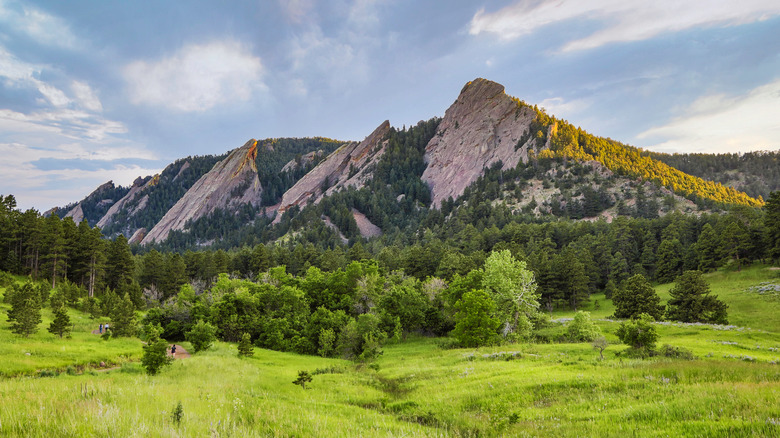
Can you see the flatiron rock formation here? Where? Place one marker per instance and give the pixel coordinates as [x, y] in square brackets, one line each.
[483, 126]
[349, 165]
[230, 183]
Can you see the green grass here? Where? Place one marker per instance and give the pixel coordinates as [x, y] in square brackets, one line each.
[46, 351]
[418, 388]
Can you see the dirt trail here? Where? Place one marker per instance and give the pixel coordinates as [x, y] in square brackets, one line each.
[181, 353]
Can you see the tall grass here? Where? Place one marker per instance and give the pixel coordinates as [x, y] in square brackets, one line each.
[418, 388]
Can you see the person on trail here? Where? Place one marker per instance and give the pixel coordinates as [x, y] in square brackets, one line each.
[173, 350]
[101, 328]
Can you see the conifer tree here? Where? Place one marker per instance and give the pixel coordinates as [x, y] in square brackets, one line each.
[736, 242]
[636, 296]
[25, 312]
[772, 223]
[708, 249]
[123, 318]
[119, 264]
[691, 301]
[61, 323]
[245, 347]
[669, 264]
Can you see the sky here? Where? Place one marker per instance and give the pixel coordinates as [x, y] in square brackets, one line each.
[92, 91]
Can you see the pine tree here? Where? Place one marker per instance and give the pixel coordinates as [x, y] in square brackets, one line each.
[119, 264]
[736, 242]
[669, 264]
[53, 248]
[25, 310]
[772, 223]
[245, 347]
[708, 248]
[691, 301]
[636, 296]
[61, 323]
[123, 318]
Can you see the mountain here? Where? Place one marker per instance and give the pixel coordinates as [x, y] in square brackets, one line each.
[230, 182]
[348, 166]
[490, 150]
[755, 173]
[483, 126]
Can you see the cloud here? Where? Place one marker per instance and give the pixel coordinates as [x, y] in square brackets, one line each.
[34, 185]
[720, 124]
[561, 108]
[37, 25]
[622, 20]
[297, 11]
[86, 96]
[335, 58]
[196, 78]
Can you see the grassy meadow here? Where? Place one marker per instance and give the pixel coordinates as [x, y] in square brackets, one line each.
[416, 388]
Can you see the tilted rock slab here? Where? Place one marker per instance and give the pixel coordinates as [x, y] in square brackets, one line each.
[138, 186]
[483, 126]
[334, 171]
[214, 190]
[76, 213]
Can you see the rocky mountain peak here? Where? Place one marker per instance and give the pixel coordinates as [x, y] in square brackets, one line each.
[347, 166]
[483, 126]
[231, 182]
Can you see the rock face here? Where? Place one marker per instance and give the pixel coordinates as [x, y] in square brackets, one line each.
[483, 126]
[349, 165]
[76, 213]
[304, 161]
[231, 182]
[138, 186]
[366, 227]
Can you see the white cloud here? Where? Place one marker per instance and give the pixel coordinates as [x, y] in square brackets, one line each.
[197, 77]
[37, 25]
[559, 107]
[719, 124]
[623, 20]
[86, 96]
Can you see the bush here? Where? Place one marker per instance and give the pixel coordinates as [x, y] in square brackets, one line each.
[476, 325]
[202, 336]
[638, 333]
[676, 352]
[155, 355]
[582, 329]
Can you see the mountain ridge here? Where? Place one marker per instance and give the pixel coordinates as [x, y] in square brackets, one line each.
[483, 128]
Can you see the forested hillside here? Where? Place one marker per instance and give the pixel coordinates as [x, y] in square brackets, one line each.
[573, 143]
[755, 173]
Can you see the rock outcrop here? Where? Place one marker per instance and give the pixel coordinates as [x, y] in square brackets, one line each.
[349, 165]
[76, 213]
[230, 183]
[366, 227]
[138, 186]
[483, 126]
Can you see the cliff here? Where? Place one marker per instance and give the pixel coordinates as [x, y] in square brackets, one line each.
[483, 126]
[230, 183]
[350, 165]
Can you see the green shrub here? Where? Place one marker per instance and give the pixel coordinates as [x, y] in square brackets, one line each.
[638, 333]
[676, 352]
[582, 329]
[202, 336]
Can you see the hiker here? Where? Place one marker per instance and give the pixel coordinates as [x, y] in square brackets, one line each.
[106, 327]
[173, 350]
[101, 328]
